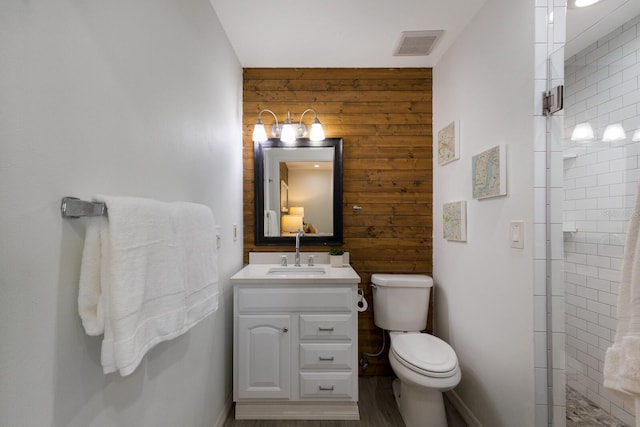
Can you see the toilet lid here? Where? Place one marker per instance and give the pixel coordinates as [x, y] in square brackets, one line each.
[425, 352]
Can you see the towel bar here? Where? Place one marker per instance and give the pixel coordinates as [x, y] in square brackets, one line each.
[73, 207]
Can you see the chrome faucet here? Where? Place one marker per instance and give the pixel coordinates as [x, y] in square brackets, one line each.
[297, 257]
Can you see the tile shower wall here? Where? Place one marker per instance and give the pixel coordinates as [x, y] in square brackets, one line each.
[600, 187]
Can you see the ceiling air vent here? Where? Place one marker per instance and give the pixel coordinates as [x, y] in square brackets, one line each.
[417, 43]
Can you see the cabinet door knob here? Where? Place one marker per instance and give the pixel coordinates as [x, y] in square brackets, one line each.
[285, 330]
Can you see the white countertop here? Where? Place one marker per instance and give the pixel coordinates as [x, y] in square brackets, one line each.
[259, 274]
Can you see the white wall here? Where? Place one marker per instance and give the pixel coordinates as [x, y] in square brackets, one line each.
[125, 98]
[484, 288]
[601, 185]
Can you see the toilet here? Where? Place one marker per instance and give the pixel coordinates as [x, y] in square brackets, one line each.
[425, 365]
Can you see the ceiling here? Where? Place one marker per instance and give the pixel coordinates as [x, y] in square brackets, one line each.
[365, 33]
[338, 33]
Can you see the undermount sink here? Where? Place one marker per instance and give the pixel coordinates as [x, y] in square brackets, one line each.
[296, 271]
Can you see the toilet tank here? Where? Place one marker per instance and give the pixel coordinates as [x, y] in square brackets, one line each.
[401, 301]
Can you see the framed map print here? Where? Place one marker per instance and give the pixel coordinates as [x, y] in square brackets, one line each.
[449, 143]
[454, 221]
[489, 173]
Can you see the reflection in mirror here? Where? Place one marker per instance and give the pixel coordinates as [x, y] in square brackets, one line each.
[298, 187]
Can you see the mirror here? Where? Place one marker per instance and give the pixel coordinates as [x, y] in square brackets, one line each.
[298, 186]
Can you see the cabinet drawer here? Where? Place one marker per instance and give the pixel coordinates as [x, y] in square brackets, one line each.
[326, 385]
[271, 299]
[326, 327]
[325, 356]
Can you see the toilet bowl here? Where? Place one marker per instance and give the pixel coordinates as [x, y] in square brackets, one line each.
[425, 365]
[422, 377]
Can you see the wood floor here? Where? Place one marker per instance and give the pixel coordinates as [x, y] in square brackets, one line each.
[377, 409]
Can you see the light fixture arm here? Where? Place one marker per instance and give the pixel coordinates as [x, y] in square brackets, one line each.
[315, 115]
[259, 121]
[317, 133]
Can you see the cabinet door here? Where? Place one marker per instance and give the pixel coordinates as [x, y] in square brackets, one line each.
[264, 353]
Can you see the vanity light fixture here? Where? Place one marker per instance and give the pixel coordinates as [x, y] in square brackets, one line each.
[288, 132]
[583, 132]
[614, 133]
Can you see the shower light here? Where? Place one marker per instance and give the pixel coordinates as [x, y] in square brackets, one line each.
[585, 3]
[614, 133]
[582, 132]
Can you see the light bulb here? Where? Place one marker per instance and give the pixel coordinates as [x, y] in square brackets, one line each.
[316, 133]
[259, 132]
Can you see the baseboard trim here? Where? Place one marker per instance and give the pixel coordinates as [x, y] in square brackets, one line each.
[297, 411]
[463, 409]
[224, 413]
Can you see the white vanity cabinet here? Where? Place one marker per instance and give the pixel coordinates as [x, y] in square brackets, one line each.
[295, 348]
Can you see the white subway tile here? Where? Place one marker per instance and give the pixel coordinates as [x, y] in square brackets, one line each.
[614, 54]
[599, 261]
[588, 361]
[622, 415]
[587, 248]
[609, 274]
[598, 285]
[609, 82]
[611, 250]
[599, 331]
[577, 301]
[587, 293]
[599, 308]
[608, 322]
[540, 386]
[540, 349]
[585, 315]
[539, 313]
[587, 270]
[578, 193]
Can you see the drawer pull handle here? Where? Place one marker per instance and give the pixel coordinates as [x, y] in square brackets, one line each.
[326, 359]
[325, 388]
[321, 329]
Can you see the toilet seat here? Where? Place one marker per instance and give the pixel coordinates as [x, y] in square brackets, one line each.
[425, 354]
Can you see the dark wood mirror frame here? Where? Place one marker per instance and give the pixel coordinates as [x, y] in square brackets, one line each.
[260, 238]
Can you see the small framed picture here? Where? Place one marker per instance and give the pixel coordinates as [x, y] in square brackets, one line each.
[454, 221]
[489, 173]
[449, 143]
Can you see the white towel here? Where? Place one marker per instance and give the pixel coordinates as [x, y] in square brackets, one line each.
[622, 360]
[271, 223]
[148, 274]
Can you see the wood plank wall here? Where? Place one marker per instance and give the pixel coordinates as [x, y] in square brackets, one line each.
[384, 117]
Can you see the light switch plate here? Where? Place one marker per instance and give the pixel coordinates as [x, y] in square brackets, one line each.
[516, 234]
